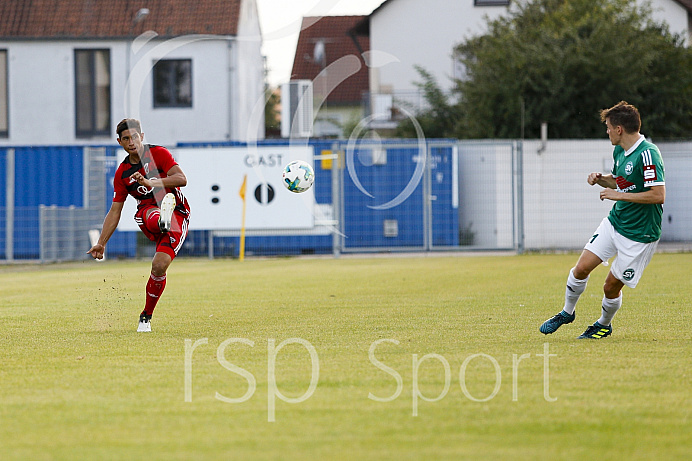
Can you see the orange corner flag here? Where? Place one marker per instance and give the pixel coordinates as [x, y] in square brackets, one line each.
[243, 187]
[241, 255]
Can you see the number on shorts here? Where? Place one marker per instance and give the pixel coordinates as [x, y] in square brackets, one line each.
[593, 238]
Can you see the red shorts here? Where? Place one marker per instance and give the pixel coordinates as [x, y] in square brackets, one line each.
[171, 241]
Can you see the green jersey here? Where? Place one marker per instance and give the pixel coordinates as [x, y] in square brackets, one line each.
[636, 171]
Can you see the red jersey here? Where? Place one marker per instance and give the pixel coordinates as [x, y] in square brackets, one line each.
[155, 162]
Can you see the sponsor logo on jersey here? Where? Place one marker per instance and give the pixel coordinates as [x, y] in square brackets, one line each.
[650, 173]
[624, 185]
[144, 190]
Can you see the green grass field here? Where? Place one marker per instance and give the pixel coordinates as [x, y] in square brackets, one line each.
[78, 382]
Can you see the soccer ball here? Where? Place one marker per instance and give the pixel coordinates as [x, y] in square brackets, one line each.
[298, 176]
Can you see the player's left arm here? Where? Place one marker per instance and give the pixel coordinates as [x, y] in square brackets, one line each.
[655, 195]
[174, 178]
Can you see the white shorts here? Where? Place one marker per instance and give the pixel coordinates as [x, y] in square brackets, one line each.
[632, 257]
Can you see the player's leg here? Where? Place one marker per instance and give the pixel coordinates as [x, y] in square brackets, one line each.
[578, 278]
[576, 284]
[167, 248]
[627, 269]
[148, 219]
[157, 220]
[154, 289]
[151, 220]
[157, 280]
[612, 299]
[597, 250]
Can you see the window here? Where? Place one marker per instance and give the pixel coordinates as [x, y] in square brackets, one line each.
[491, 2]
[4, 106]
[173, 83]
[92, 92]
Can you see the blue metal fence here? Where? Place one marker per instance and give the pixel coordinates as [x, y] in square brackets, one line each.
[54, 175]
[3, 198]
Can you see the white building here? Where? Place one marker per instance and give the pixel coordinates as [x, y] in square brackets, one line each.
[71, 70]
[406, 33]
[333, 61]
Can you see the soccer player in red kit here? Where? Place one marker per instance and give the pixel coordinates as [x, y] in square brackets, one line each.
[150, 175]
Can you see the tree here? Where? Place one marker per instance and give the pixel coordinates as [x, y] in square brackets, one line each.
[561, 61]
[272, 124]
[439, 119]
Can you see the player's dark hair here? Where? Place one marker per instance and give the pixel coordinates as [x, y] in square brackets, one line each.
[624, 115]
[128, 124]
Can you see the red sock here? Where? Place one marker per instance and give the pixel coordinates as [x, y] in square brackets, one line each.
[155, 287]
[152, 222]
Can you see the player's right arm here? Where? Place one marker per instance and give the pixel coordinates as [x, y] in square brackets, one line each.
[110, 223]
[603, 180]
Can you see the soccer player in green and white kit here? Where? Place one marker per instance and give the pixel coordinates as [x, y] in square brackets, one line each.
[632, 228]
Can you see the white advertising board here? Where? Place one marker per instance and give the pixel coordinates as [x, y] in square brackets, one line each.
[215, 176]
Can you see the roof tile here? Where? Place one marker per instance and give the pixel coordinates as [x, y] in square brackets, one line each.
[333, 32]
[115, 18]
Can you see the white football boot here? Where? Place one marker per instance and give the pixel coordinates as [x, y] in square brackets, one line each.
[167, 207]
